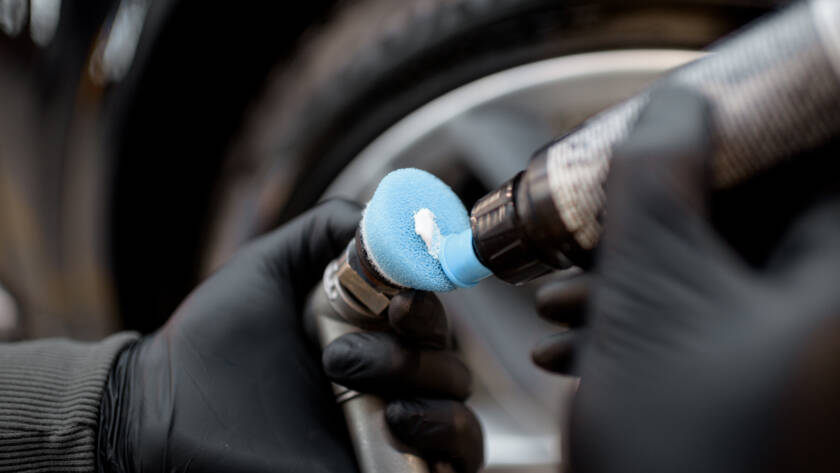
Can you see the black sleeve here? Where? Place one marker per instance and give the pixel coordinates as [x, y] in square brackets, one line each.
[50, 391]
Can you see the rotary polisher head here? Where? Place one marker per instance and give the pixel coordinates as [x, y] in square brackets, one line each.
[406, 228]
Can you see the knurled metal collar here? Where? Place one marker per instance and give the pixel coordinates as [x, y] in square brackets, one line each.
[354, 299]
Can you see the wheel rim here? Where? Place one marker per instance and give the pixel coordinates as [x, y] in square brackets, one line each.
[488, 129]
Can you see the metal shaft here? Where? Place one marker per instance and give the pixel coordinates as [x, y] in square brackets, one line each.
[775, 92]
[329, 311]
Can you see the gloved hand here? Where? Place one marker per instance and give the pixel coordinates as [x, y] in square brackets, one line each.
[231, 383]
[693, 359]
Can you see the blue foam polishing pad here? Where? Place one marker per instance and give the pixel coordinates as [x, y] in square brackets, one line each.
[390, 238]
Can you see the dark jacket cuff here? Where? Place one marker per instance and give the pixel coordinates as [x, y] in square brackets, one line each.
[50, 391]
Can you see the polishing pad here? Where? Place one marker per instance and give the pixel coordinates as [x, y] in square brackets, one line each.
[389, 233]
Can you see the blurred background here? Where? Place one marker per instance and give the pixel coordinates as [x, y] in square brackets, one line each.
[143, 141]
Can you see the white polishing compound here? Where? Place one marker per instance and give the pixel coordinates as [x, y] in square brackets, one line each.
[427, 228]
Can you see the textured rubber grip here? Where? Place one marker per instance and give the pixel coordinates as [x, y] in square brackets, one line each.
[776, 92]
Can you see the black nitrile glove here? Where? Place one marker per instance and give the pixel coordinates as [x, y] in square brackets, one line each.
[695, 360]
[231, 383]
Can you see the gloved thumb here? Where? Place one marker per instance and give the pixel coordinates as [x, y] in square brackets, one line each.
[298, 252]
[658, 184]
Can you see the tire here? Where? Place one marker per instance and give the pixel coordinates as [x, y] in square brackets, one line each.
[374, 61]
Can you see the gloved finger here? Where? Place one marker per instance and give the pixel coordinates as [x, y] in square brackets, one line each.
[299, 251]
[564, 301]
[557, 352]
[440, 429]
[378, 363]
[419, 317]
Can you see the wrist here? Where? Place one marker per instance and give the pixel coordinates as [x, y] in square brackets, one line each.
[113, 444]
